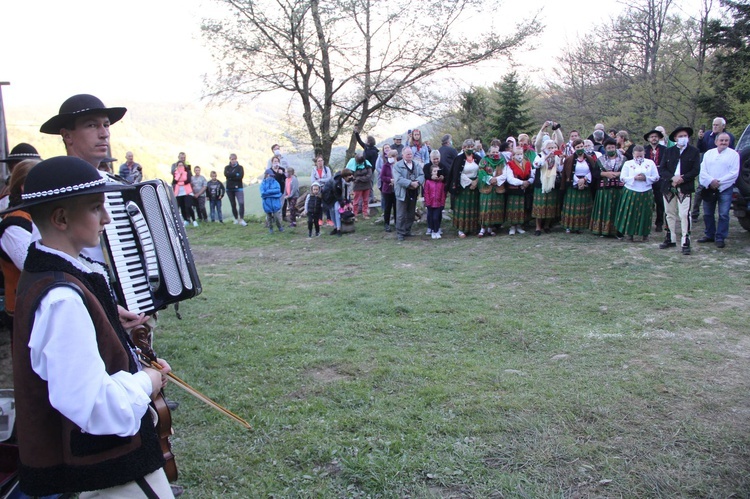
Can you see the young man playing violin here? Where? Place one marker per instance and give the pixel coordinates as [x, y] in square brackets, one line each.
[82, 399]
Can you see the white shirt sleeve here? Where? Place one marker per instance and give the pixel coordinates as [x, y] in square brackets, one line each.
[64, 353]
[15, 242]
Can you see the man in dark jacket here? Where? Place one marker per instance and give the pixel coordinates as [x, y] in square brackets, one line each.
[655, 152]
[678, 169]
[447, 154]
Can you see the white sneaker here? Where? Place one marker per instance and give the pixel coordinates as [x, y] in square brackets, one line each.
[235, 221]
[520, 230]
[512, 230]
[243, 223]
[438, 236]
[184, 223]
[195, 223]
[429, 231]
[434, 235]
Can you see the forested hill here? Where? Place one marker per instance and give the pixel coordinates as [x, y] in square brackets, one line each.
[156, 133]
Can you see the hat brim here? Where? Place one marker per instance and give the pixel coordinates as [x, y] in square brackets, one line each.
[19, 157]
[680, 129]
[108, 187]
[57, 123]
[648, 134]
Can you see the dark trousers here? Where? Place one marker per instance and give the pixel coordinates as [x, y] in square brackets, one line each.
[697, 202]
[215, 210]
[186, 207]
[659, 202]
[200, 208]
[313, 222]
[237, 197]
[434, 218]
[389, 204]
[292, 203]
[405, 215]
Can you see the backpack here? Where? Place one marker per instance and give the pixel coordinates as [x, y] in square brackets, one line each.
[328, 192]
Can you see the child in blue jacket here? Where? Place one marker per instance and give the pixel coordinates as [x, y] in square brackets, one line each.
[270, 193]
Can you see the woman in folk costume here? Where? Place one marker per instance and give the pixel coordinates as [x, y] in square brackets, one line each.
[528, 151]
[519, 177]
[608, 192]
[546, 206]
[635, 208]
[580, 177]
[464, 181]
[491, 190]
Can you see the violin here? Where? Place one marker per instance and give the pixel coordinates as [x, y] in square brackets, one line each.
[141, 336]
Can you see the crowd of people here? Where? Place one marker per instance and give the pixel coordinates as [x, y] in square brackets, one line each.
[605, 184]
[75, 367]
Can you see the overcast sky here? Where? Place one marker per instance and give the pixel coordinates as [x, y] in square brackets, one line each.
[150, 50]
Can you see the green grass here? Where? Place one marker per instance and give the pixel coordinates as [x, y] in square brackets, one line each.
[553, 366]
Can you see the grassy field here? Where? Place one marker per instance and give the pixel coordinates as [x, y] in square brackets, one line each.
[553, 366]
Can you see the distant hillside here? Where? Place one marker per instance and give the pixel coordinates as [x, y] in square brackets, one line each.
[157, 132]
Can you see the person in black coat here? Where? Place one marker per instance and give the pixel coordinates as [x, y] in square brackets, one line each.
[655, 152]
[678, 169]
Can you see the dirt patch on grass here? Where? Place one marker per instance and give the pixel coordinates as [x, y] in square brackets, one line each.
[327, 375]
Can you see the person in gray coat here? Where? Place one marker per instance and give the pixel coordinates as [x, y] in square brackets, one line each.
[407, 179]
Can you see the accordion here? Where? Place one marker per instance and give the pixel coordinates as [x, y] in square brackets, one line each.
[148, 251]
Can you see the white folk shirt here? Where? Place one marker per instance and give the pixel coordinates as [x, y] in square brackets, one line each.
[64, 353]
[629, 171]
[724, 167]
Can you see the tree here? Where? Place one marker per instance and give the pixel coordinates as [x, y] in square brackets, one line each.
[731, 89]
[510, 115]
[347, 62]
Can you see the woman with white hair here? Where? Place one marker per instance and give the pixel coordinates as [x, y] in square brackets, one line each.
[464, 181]
[546, 206]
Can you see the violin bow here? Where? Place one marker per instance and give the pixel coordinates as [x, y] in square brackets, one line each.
[140, 336]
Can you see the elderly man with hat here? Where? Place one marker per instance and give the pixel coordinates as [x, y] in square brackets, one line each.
[398, 146]
[655, 152]
[678, 169]
[20, 152]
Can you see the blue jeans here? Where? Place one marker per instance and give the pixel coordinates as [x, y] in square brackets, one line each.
[724, 201]
[215, 210]
[337, 215]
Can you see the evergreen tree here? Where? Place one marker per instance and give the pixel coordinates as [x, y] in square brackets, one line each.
[509, 114]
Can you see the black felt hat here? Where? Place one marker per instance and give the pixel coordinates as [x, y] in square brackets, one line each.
[657, 132]
[77, 106]
[21, 152]
[680, 129]
[63, 177]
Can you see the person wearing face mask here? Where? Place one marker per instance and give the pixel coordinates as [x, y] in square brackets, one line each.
[386, 188]
[520, 178]
[546, 206]
[678, 169]
[525, 142]
[579, 182]
[591, 150]
[635, 209]
[463, 184]
[491, 190]
[655, 151]
[608, 191]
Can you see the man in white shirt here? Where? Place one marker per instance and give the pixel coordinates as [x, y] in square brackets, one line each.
[719, 170]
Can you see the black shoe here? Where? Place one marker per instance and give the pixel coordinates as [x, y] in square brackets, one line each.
[537, 232]
[171, 404]
[705, 239]
[388, 228]
[658, 228]
[400, 237]
[720, 244]
[334, 232]
[666, 245]
[686, 250]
